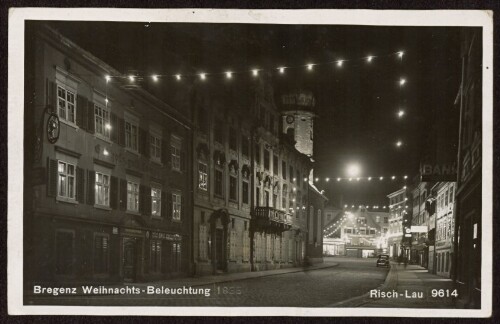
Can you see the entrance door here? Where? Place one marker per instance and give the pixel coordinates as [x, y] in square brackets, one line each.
[129, 259]
[219, 249]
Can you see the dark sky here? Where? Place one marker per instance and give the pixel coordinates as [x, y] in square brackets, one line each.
[356, 104]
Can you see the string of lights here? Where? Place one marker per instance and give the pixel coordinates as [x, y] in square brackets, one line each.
[229, 74]
[356, 179]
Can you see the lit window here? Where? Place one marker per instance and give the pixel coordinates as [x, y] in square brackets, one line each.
[202, 176]
[176, 206]
[101, 189]
[155, 201]
[66, 181]
[66, 104]
[132, 196]
[102, 125]
[131, 135]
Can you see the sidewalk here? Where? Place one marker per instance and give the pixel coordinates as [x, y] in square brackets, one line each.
[206, 280]
[412, 287]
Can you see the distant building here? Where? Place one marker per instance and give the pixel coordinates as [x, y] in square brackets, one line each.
[419, 253]
[398, 208]
[445, 227]
[364, 233]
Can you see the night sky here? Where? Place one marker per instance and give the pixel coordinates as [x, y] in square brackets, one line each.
[356, 104]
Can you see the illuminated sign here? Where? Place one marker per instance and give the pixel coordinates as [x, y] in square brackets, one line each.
[419, 229]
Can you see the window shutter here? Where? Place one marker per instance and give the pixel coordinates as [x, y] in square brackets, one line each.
[90, 117]
[143, 142]
[121, 131]
[52, 177]
[81, 111]
[147, 200]
[51, 96]
[113, 119]
[169, 212]
[123, 194]
[183, 158]
[113, 192]
[80, 185]
[142, 199]
[164, 204]
[90, 187]
[165, 152]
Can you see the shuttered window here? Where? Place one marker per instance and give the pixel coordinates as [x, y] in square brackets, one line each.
[155, 201]
[66, 180]
[66, 104]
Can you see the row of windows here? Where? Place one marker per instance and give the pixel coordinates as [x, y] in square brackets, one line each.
[446, 197]
[66, 110]
[66, 190]
[65, 254]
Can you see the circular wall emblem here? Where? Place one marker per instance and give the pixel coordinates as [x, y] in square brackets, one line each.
[290, 119]
[53, 128]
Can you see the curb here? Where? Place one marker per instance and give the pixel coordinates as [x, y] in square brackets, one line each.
[223, 280]
[390, 283]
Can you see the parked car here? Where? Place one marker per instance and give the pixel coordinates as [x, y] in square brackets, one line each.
[383, 261]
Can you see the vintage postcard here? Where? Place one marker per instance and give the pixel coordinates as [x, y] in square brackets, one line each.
[250, 162]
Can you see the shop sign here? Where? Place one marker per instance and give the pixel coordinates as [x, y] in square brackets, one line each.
[419, 229]
[165, 236]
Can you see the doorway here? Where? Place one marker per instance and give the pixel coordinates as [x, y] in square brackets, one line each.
[219, 250]
[129, 259]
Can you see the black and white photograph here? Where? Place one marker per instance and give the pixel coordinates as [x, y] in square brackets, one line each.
[244, 162]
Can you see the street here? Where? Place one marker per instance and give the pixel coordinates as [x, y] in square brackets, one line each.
[351, 277]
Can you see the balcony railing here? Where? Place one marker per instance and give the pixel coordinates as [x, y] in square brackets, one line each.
[272, 218]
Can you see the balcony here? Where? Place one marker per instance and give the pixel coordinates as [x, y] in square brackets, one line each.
[269, 218]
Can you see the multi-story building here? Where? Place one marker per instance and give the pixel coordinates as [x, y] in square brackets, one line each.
[445, 198]
[253, 198]
[107, 185]
[419, 253]
[398, 208]
[364, 233]
[468, 205]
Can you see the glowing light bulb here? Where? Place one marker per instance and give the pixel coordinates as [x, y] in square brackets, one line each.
[155, 78]
[108, 126]
[401, 113]
[203, 76]
[229, 74]
[399, 143]
[402, 81]
[105, 152]
[327, 179]
[282, 70]
[405, 177]
[400, 54]
[381, 178]
[393, 177]
[340, 62]
[309, 67]
[338, 179]
[255, 72]
[369, 178]
[178, 76]
[107, 77]
[369, 59]
[131, 78]
[317, 179]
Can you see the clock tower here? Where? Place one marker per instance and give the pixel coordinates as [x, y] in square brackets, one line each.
[297, 109]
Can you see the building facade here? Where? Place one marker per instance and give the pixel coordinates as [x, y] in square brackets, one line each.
[445, 200]
[468, 211]
[419, 253]
[107, 189]
[398, 208]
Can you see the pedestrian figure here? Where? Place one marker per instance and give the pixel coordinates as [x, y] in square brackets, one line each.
[406, 261]
[399, 259]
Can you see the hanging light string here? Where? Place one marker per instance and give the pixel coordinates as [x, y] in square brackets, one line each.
[357, 179]
[310, 66]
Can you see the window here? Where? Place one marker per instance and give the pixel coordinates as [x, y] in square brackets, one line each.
[132, 196]
[66, 180]
[386, 219]
[101, 254]
[155, 257]
[101, 189]
[452, 189]
[202, 176]
[245, 191]
[275, 200]
[64, 252]
[385, 230]
[176, 257]
[372, 231]
[257, 196]
[102, 125]
[233, 185]
[267, 198]
[218, 182]
[155, 147]
[267, 159]
[155, 201]
[233, 139]
[283, 169]
[66, 104]
[176, 145]
[131, 135]
[377, 219]
[245, 146]
[176, 206]
[202, 251]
